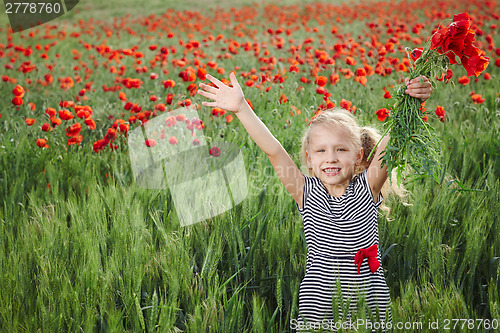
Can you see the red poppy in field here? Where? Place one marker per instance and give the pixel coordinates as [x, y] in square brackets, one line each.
[18, 91]
[321, 90]
[83, 111]
[150, 142]
[229, 118]
[73, 130]
[464, 80]
[283, 99]
[201, 73]
[173, 140]
[440, 112]
[46, 127]
[100, 145]
[218, 112]
[387, 94]
[382, 114]
[196, 142]
[90, 123]
[215, 151]
[350, 61]
[42, 143]
[56, 121]
[130, 83]
[192, 88]
[65, 115]
[449, 75]
[17, 101]
[321, 81]
[169, 99]
[345, 104]
[361, 79]
[110, 133]
[170, 121]
[122, 96]
[75, 140]
[168, 83]
[30, 121]
[478, 99]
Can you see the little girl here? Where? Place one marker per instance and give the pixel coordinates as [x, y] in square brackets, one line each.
[337, 202]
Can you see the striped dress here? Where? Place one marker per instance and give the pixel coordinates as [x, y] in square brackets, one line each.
[335, 229]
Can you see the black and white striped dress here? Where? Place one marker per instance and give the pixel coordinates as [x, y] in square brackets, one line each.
[335, 229]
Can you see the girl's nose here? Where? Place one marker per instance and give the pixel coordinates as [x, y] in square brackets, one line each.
[332, 157]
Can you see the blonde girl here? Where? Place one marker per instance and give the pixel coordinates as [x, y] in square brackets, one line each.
[338, 206]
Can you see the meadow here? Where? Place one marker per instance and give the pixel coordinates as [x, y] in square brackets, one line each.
[84, 248]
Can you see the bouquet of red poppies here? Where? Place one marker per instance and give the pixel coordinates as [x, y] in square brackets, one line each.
[412, 140]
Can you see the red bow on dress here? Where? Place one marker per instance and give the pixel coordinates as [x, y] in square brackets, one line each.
[369, 253]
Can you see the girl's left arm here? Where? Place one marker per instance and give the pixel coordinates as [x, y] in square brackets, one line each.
[419, 87]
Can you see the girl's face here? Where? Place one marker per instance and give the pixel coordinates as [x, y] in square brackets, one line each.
[332, 157]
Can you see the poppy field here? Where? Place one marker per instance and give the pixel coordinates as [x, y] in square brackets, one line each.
[84, 248]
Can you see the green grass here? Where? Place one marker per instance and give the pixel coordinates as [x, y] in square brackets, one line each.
[95, 252]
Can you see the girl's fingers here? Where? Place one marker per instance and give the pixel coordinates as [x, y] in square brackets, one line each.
[208, 88]
[215, 81]
[209, 104]
[206, 94]
[234, 82]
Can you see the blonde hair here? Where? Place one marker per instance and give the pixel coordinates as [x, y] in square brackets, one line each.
[360, 137]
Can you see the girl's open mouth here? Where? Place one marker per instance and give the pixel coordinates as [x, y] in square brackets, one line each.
[331, 171]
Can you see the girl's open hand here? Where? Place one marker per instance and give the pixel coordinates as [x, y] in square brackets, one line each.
[224, 97]
[416, 89]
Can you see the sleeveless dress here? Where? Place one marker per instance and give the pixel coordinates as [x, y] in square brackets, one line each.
[336, 228]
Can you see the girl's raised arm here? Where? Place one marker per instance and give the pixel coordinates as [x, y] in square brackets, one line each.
[232, 99]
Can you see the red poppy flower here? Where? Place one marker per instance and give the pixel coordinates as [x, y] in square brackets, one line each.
[382, 114]
[42, 143]
[201, 73]
[100, 145]
[30, 121]
[150, 142]
[46, 127]
[440, 112]
[173, 140]
[73, 130]
[18, 91]
[478, 99]
[215, 151]
[90, 123]
[65, 115]
[283, 99]
[17, 101]
[464, 80]
[75, 140]
[387, 94]
[449, 75]
[416, 53]
[321, 81]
